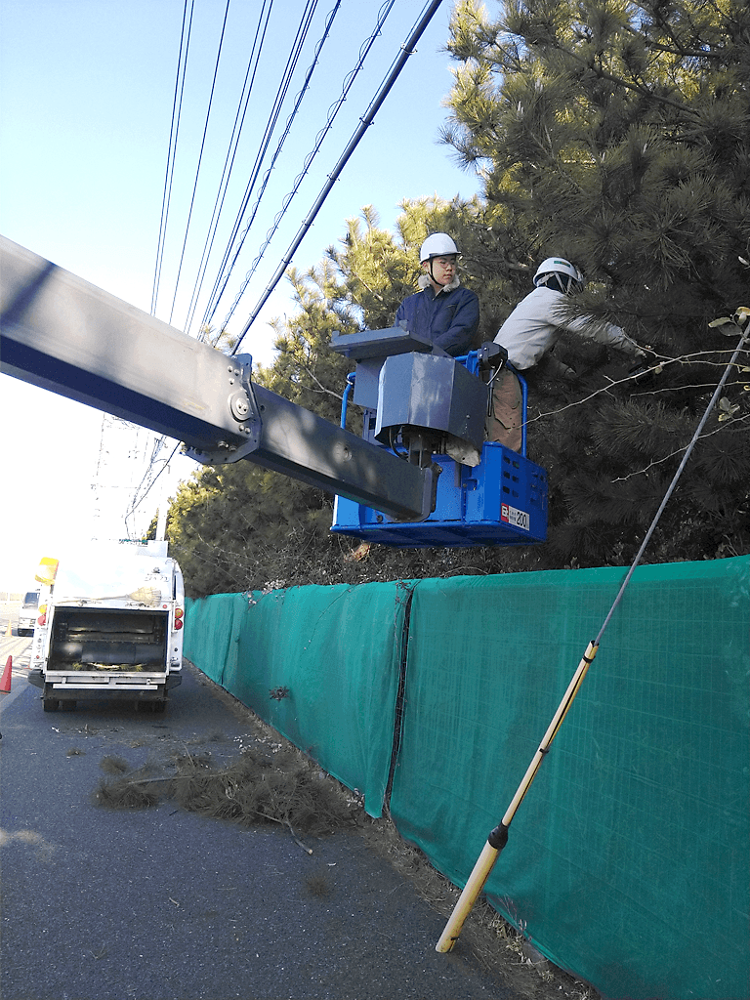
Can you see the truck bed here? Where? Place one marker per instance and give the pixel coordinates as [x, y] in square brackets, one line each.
[105, 652]
[114, 638]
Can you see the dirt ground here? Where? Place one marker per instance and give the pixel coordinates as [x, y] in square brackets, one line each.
[495, 944]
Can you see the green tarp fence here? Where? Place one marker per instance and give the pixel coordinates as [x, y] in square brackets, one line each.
[627, 862]
[330, 655]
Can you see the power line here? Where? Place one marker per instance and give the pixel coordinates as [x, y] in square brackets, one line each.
[331, 116]
[172, 150]
[277, 153]
[407, 49]
[200, 156]
[234, 139]
[135, 503]
[235, 241]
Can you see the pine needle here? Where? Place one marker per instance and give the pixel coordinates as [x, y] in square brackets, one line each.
[254, 789]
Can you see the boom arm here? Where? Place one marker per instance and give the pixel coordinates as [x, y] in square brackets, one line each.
[66, 335]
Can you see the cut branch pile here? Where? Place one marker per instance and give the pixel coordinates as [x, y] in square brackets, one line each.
[254, 789]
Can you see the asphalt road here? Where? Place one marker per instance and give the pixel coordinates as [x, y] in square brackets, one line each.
[161, 903]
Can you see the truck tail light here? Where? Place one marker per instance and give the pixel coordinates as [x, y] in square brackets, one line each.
[42, 620]
[178, 624]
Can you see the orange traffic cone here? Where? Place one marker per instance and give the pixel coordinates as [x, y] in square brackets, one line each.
[7, 674]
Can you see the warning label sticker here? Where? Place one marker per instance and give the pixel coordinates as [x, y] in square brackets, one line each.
[511, 515]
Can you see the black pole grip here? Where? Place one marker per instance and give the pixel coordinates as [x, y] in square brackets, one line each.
[499, 837]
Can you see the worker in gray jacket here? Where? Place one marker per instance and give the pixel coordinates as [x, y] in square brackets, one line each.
[530, 333]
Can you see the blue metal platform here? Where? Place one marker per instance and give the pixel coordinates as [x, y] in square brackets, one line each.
[501, 501]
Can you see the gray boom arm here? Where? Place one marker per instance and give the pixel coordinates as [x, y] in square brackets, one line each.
[66, 335]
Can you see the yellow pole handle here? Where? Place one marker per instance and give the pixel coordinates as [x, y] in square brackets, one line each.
[499, 836]
[468, 897]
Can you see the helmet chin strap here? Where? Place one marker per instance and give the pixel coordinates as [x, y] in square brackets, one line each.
[432, 275]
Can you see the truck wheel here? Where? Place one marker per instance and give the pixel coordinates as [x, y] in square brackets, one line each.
[159, 706]
[50, 703]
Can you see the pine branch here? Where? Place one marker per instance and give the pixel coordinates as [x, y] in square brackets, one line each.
[679, 451]
[330, 392]
[642, 91]
[705, 357]
[679, 52]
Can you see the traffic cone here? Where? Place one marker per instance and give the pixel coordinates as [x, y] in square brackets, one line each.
[7, 674]
[8, 631]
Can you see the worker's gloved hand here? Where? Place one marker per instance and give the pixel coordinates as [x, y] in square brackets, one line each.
[640, 372]
[642, 368]
[552, 367]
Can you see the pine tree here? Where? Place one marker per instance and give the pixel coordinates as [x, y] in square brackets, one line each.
[618, 135]
[305, 370]
[239, 527]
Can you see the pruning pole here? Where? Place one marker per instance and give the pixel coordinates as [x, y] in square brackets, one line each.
[498, 838]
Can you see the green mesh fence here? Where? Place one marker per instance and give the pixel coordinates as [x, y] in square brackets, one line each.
[628, 860]
[319, 664]
[210, 639]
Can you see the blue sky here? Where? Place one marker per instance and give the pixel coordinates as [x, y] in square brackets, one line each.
[87, 89]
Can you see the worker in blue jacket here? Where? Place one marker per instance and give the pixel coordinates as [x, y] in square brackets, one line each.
[443, 311]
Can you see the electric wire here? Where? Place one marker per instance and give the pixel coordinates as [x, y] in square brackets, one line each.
[156, 446]
[172, 149]
[229, 160]
[137, 502]
[138, 499]
[234, 243]
[200, 157]
[407, 49]
[179, 88]
[177, 105]
[330, 118]
[210, 310]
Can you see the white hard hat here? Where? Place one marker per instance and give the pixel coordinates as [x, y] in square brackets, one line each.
[437, 245]
[561, 267]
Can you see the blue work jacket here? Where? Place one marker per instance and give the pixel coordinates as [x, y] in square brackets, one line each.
[449, 319]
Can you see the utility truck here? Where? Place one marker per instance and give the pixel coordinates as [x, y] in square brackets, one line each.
[109, 625]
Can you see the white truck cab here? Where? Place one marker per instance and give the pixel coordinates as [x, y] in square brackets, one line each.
[27, 614]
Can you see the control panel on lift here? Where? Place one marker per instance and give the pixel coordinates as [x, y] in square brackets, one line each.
[429, 409]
